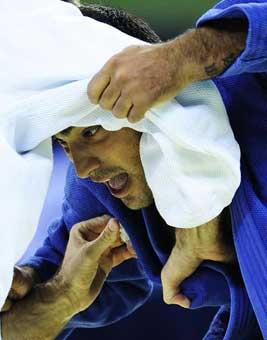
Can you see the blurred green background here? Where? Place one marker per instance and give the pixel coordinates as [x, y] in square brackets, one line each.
[168, 18]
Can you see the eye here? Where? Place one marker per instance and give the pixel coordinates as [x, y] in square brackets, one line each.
[63, 144]
[90, 131]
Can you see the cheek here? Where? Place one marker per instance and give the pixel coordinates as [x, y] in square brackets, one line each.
[121, 148]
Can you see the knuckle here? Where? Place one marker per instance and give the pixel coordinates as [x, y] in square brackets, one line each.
[105, 217]
[166, 301]
[121, 75]
[135, 116]
[121, 109]
[131, 48]
[142, 101]
[119, 112]
[74, 229]
[90, 89]
[105, 104]
[113, 62]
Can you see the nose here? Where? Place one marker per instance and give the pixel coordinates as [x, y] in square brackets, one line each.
[84, 164]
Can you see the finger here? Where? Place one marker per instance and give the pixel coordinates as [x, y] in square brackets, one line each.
[131, 248]
[118, 243]
[181, 300]
[109, 97]
[98, 283]
[8, 304]
[122, 107]
[178, 267]
[121, 254]
[21, 284]
[97, 86]
[105, 241]
[136, 114]
[91, 236]
[95, 225]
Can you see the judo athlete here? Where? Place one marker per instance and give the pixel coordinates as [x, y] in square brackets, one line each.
[175, 173]
[129, 172]
[229, 44]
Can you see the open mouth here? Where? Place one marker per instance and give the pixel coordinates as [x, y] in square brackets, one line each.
[118, 185]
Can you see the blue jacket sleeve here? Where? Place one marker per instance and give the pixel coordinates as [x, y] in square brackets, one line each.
[254, 57]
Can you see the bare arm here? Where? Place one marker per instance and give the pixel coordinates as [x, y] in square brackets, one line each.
[210, 50]
[40, 315]
[211, 241]
[88, 260]
[142, 76]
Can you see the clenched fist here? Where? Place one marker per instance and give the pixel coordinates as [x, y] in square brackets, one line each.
[136, 79]
[211, 241]
[139, 77]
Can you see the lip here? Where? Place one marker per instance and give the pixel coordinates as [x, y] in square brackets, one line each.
[119, 193]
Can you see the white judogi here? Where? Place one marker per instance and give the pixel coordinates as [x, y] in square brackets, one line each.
[49, 52]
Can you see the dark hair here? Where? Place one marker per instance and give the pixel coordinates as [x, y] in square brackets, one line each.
[120, 19]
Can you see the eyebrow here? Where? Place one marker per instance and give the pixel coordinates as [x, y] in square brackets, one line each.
[66, 132]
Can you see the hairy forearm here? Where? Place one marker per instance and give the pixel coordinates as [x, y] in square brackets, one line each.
[212, 240]
[209, 51]
[40, 315]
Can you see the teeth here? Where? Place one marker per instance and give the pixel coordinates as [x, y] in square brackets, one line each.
[118, 182]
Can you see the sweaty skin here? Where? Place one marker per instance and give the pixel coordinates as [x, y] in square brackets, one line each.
[139, 77]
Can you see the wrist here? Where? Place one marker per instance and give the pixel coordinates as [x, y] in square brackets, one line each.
[179, 61]
[187, 53]
[58, 291]
[187, 242]
[208, 51]
[40, 315]
[75, 295]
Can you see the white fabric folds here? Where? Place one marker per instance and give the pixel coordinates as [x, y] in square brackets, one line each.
[49, 52]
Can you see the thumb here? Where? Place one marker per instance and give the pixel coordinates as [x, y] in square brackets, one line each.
[178, 267]
[105, 240]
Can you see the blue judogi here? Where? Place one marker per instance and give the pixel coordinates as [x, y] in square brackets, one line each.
[243, 88]
[128, 286]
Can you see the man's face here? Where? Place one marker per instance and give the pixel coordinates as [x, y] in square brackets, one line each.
[109, 157]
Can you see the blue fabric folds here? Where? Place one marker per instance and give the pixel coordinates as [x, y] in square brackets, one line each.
[129, 285]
